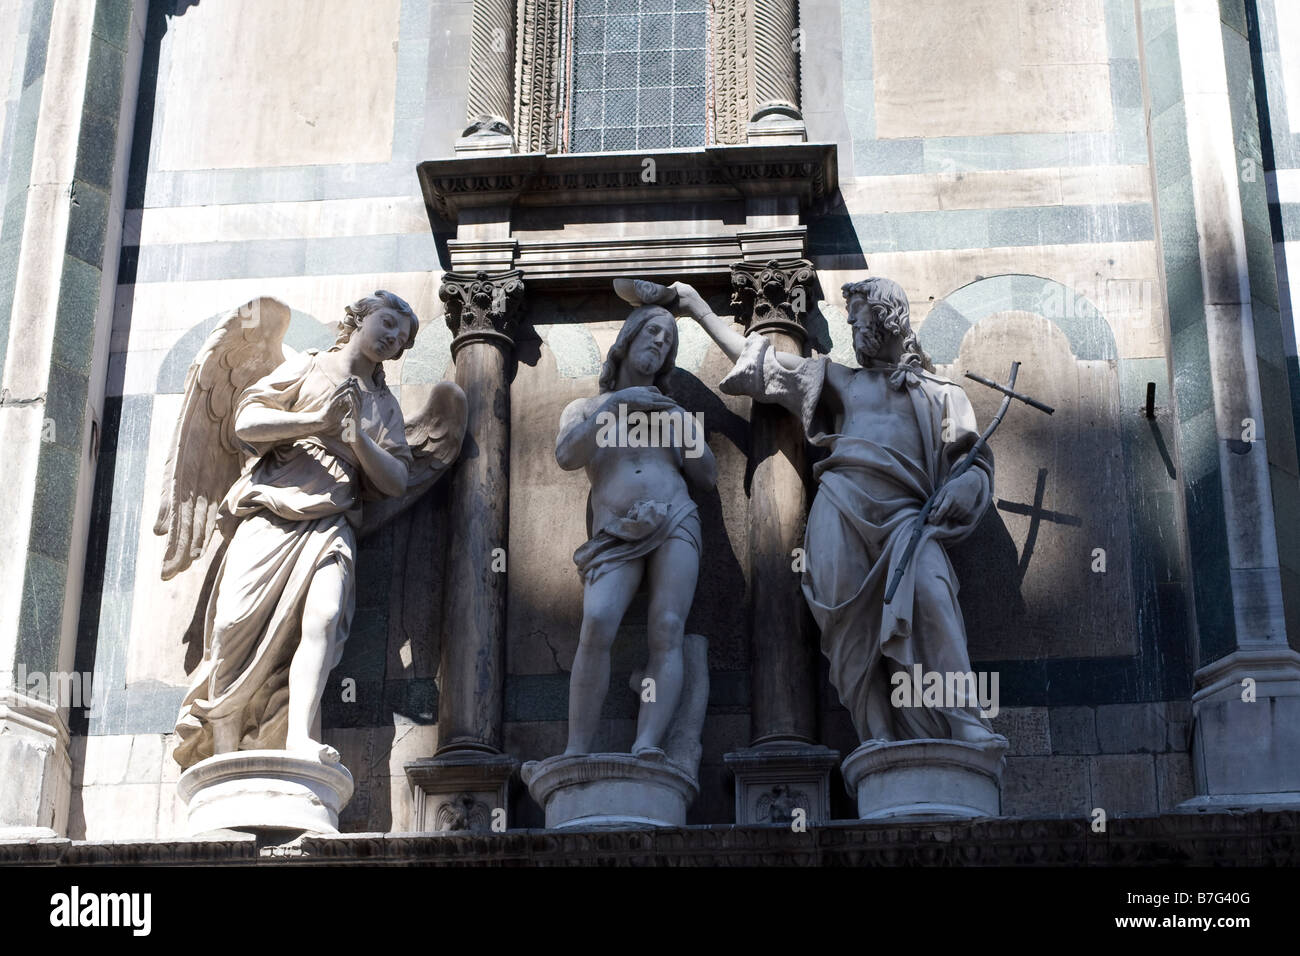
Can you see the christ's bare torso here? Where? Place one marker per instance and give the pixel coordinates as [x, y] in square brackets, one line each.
[622, 475]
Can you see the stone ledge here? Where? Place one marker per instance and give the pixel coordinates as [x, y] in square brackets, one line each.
[1257, 838]
[807, 171]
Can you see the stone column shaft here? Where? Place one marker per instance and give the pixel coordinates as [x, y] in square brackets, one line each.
[781, 665]
[480, 312]
[781, 662]
[465, 785]
[783, 769]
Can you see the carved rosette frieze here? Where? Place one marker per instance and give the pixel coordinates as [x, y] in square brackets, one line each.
[537, 71]
[482, 307]
[731, 60]
[490, 96]
[773, 296]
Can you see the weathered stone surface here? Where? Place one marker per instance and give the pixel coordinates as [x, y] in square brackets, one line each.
[1173, 780]
[1132, 728]
[1123, 784]
[1045, 786]
[1250, 838]
[297, 107]
[1074, 730]
[1006, 68]
[1026, 730]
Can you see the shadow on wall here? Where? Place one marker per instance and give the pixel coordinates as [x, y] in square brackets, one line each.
[1061, 483]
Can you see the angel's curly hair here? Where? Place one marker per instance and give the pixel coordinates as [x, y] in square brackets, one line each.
[358, 310]
[636, 321]
[889, 314]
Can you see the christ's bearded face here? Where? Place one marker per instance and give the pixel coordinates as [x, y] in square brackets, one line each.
[652, 344]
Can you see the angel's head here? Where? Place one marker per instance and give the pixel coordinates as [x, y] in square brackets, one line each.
[648, 340]
[881, 322]
[383, 325]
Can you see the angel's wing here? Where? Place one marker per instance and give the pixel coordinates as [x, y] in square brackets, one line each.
[435, 435]
[436, 432]
[205, 458]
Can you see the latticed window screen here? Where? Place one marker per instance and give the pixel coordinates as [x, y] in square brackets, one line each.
[638, 74]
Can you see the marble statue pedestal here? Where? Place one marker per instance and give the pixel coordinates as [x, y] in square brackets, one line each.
[926, 779]
[610, 791]
[264, 790]
[774, 779]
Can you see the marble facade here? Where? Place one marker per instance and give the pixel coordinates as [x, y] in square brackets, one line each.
[1117, 208]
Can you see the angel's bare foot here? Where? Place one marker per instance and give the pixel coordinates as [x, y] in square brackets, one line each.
[652, 754]
[307, 747]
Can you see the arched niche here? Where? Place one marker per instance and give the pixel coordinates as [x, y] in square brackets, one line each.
[1030, 584]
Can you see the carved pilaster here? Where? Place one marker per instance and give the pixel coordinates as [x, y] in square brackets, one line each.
[537, 70]
[490, 97]
[731, 60]
[482, 307]
[774, 296]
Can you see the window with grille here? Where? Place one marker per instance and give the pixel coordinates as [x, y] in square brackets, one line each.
[637, 74]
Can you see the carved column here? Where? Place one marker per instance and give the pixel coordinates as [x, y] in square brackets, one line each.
[783, 767]
[774, 72]
[466, 781]
[490, 100]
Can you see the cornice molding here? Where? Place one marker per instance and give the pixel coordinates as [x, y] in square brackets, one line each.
[805, 171]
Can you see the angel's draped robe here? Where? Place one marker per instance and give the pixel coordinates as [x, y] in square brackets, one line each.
[294, 509]
[869, 491]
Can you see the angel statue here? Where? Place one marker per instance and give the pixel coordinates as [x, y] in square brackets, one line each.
[285, 459]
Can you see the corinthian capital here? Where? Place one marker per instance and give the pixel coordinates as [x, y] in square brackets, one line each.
[775, 296]
[482, 307]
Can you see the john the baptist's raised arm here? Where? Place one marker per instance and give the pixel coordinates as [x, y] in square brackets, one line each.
[729, 340]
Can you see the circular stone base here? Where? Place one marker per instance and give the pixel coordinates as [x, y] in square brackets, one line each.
[264, 790]
[926, 779]
[609, 791]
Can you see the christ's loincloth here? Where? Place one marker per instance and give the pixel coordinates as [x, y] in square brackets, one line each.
[647, 525]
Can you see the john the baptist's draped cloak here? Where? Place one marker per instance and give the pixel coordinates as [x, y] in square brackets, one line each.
[868, 494]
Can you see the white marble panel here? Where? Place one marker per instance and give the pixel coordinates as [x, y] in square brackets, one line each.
[290, 83]
[1001, 66]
